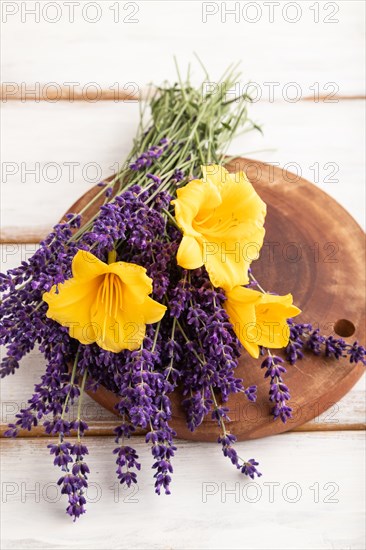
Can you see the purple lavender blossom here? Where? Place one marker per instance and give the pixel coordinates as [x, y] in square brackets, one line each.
[178, 176]
[304, 338]
[126, 459]
[146, 159]
[246, 467]
[357, 353]
[278, 393]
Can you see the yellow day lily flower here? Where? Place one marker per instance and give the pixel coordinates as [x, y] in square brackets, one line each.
[221, 217]
[260, 319]
[105, 303]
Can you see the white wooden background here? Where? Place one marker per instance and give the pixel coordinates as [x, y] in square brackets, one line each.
[317, 472]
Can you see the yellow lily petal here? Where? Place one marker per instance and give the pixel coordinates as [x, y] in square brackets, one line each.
[189, 255]
[117, 331]
[241, 295]
[240, 307]
[137, 284]
[152, 311]
[225, 265]
[224, 216]
[191, 199]
[70, 304]
[272, 314]
[241, 202]
[216, 175]
[260, 319]
[252, 348]
[105, 303]
[87, 266]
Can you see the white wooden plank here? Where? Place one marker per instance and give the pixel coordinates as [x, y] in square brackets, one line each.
[69, 148]
[324, 142]
[300, 42]
[211, 507]
[17, 389]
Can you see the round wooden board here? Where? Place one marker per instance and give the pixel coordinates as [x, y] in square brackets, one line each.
[315, 250]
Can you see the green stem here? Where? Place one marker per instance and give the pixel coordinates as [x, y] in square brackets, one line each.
[81, 400]
[171, 219]
[251, 276]
[72, 380]
[112, 256]
[188, 342]
[156, 337]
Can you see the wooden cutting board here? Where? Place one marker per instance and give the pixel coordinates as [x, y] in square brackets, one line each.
[315, 250]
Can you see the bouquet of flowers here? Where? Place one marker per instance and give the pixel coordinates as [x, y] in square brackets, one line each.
[154, 293]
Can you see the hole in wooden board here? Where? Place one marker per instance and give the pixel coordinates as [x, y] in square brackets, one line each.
[344, 328]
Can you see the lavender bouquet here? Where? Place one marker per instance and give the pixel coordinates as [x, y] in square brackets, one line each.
[146, 297]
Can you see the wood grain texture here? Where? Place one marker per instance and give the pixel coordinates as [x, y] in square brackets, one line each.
[313, 249]
[64, 141]
[326, 512]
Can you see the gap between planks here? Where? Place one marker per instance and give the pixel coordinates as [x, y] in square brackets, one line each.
[18, 235]
[106, 428]
[59, 93]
